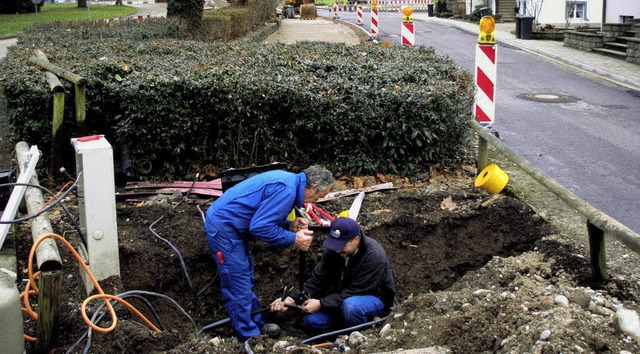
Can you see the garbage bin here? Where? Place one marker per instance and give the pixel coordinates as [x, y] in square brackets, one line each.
[526, 27]
[430, 10]
[484, 11]
[518, 27]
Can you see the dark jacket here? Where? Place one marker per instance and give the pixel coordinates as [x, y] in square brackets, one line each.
[367, 272]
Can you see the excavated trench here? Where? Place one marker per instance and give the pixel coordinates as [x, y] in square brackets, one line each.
[432, 238]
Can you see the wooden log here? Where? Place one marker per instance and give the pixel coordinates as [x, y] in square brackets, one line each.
[47, 254]
[55, 86]
[81, 108]
[63, 73]
[58, 141]
[49, 296]
[54, 83]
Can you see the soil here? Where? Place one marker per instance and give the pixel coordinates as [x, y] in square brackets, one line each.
[475, 273]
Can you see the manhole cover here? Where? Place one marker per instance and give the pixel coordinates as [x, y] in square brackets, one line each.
[547, 97]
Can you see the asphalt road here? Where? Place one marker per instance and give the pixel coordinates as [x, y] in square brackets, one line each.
[582, 131]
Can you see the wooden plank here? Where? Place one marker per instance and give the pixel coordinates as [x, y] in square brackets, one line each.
[215, 184]
[147, 192]
[348, 192]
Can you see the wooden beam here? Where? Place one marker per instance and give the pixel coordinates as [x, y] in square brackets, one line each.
[65, 74]
[49, 296]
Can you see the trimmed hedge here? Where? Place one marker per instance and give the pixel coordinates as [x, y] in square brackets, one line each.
[18, 6]
[178, 104]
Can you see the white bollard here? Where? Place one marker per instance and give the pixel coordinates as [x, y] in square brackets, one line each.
[97, 207]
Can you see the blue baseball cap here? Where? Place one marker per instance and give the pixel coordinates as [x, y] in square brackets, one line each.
[343, 230]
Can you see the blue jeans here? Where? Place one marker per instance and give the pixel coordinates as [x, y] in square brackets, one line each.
[355, 310]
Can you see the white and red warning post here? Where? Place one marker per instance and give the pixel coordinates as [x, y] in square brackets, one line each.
[374, 19]
[485, 73]
[407, 32]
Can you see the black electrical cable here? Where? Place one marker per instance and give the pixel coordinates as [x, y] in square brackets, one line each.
[247, 347]
[41, 211]
[208, 285]
[175, 250]
[344, 330]
[224, 321]
[72, 219]
[98, 315]
[202, 213]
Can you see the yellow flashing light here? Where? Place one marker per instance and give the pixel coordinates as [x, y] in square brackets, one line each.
[407, 12]
[374, 4]
[487, 26]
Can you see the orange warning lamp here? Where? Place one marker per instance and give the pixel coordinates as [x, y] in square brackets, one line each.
[374, 4]
[407, 12]
[487, 26]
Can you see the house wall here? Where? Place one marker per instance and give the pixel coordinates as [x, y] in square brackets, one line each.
[618, 8]
[553, 12]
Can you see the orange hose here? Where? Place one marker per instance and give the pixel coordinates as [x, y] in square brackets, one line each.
[25, 298]
[120, 300]
[322, 345]
[31, 284]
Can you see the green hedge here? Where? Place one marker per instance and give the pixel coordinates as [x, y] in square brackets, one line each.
[179, 104]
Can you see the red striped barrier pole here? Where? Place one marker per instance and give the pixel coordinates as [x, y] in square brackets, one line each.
[359, 15]
[407, 33]
[485, 73]
[374, 19]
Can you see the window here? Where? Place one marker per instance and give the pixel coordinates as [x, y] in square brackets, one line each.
[576, 10]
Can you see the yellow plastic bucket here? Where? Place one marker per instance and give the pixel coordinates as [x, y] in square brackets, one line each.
[492, 179]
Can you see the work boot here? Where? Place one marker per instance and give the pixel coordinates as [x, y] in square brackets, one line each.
[271, 329]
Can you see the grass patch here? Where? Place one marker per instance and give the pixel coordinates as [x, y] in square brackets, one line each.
[14, 25]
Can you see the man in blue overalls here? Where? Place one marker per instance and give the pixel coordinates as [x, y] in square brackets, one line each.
[258, 207]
